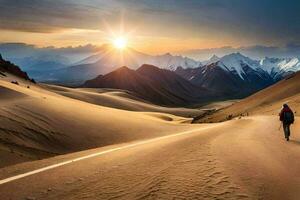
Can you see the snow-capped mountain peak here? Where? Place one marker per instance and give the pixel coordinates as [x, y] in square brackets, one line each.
[278, 67]
[168, 61]
[214, 58]
[292, 64]
[235, 62]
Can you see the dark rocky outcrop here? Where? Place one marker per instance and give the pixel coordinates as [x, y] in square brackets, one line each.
[8, 67]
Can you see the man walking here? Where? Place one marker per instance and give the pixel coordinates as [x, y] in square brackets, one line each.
[287, 118]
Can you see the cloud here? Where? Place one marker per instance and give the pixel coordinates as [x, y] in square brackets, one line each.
[256, 52]
[48, 16]
[22, 50]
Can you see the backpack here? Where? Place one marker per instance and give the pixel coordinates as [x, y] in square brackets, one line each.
[288, 117]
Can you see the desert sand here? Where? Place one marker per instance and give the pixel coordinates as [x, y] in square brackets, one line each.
[38, 123]
[214, 162]
[149, 155]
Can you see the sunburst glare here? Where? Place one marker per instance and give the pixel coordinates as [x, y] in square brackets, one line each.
[120, 43]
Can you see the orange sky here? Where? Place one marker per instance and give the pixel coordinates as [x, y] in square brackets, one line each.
[146, 44]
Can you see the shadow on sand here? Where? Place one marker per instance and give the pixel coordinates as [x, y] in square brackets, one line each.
[295, 142]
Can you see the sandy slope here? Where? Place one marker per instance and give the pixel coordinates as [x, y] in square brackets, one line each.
[261, 159]
[36, 123]
[268, 101]
[119, 99]
[258, 165]
[245, 158]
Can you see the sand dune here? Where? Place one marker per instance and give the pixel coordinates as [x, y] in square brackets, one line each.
[38, 123]
[9, 94]
[119, 99]
[260, 159]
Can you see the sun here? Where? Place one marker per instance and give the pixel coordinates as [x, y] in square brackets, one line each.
[120, 43]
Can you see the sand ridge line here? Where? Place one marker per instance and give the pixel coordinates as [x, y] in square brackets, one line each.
[13, 178]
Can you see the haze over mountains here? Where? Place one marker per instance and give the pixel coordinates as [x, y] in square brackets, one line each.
[73, 66]
[33, 58]
[107, 59]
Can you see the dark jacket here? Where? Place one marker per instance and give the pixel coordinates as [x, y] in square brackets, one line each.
[285, 110]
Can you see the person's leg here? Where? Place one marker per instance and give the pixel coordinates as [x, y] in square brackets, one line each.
[285, 129]
[289, 130]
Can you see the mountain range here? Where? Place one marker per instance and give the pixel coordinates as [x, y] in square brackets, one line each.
[186, 80]
[108, 59]
[159, 86]
[231, 76]
[278, 68]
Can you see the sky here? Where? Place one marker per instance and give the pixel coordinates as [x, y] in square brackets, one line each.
[152, 26]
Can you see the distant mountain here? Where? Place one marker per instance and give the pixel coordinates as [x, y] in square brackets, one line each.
[168, 61]
[8, 67]
[109, 59]
[156, 85]
[172, 82]
[233, 75]
[27, 55]
[108, 55]
[236, 75]
[278, 68]
[213, 59]
[42, 62]
[239, 64]
[188, 73]
[39, 67]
